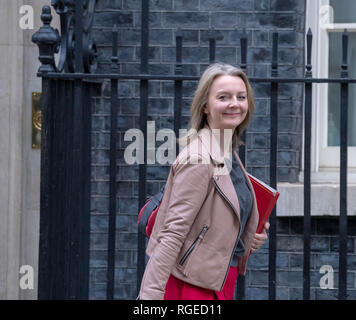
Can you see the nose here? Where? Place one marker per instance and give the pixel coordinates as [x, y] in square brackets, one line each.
[234, 102]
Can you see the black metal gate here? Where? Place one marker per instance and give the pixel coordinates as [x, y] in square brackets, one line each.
[65, 154]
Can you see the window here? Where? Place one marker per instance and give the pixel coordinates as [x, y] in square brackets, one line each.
[335, 55]
[344, 12]
[327, 20]
[327, 26]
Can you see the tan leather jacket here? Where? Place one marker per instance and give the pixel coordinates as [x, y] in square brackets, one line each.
[198, 222]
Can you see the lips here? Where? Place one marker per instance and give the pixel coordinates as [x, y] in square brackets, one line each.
[232, 114]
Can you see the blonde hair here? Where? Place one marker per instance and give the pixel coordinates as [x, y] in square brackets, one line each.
[198, 117]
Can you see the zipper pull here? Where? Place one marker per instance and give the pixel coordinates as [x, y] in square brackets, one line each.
[203, 232]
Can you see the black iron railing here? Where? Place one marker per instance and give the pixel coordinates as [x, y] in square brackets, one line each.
[65, 181]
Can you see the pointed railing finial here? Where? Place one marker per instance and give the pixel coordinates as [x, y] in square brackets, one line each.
[114, 57]
[179, 51]
[274, 72]
[308, 67]
[345, 44]
[212, 45]
[243, 45]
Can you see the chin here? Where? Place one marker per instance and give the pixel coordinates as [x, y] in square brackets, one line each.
[232, 124]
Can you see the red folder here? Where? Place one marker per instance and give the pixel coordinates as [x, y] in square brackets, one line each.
[266, 198]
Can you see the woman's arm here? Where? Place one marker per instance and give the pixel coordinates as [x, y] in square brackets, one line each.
[189, 189]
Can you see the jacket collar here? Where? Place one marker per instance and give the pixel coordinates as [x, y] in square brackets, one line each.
[211, 142]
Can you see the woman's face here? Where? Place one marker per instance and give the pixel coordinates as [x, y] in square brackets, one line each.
[227, 105]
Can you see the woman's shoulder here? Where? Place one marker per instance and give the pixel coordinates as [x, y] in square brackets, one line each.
[193, 153]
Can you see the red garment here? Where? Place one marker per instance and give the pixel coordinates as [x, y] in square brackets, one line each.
[177, 289]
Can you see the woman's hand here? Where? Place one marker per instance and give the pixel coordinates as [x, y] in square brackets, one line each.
[260, 238]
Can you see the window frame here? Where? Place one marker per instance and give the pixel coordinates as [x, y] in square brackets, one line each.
[325, 160]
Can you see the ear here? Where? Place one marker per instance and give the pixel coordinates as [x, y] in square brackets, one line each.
[205, 110]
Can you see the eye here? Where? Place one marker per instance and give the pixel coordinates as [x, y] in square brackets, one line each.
[241, 98]
[222, 98]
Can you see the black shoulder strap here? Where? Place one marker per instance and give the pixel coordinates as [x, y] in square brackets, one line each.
[151, 206]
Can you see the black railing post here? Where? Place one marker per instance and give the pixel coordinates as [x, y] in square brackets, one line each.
[85, 244]
[243, 44]
[76, 199]
[178, 84]
[70, 189]
[240, 285]
[47, 39]
[78, 31]
[112, 186]
[46, 287]
[273, 170]
[307, 155]
[77, 181]
[141, 243]
[343, 172]
[243, 66]
[212, 46]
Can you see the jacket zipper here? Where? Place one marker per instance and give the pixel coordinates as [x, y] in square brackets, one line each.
[233, 208]
[192, 246]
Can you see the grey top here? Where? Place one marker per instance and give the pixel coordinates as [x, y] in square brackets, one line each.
[245, 198]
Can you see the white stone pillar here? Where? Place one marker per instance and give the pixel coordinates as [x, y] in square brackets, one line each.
[19, 163]
[11, 110]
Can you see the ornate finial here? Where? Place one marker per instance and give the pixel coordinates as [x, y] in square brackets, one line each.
[47, 40]
[46, 16]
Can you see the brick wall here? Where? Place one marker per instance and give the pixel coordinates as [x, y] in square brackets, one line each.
[260, 18]
[289, 273]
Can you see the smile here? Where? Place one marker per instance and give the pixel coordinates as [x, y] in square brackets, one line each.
[232, 114]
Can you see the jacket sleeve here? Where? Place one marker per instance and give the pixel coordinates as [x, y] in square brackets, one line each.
[189, 189]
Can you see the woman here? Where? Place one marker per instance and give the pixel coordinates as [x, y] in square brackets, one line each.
[206, 226]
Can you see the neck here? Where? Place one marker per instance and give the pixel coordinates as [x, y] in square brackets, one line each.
[224, 138]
